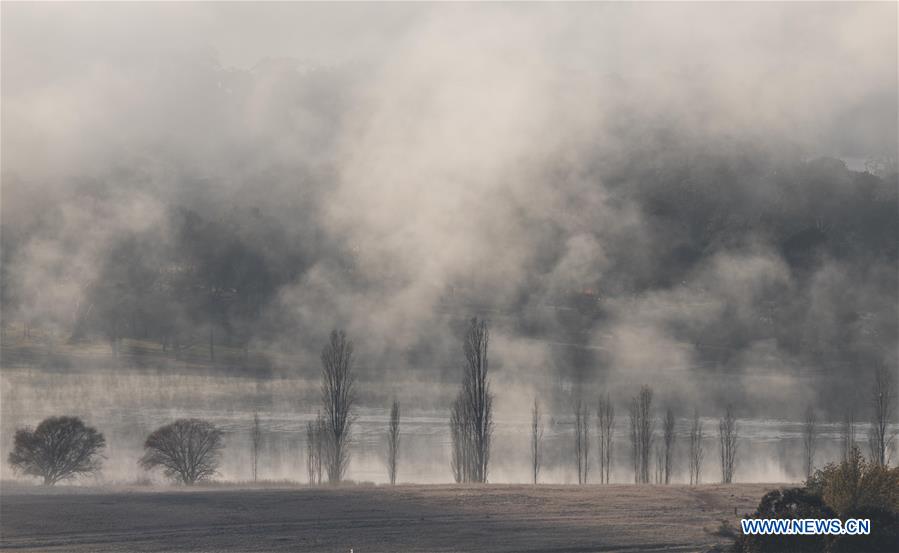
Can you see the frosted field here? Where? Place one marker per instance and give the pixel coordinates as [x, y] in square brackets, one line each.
[514, 518]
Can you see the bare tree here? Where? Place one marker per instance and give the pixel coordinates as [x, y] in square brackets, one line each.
[635, 440]
[536, 440]
[847, 435]
[256, 436]
[188, 450]
[727, 438]
[581, 441]
[605, 415]
[58, 449]
[393, 441]
[460, 435]
[338, 396]
[660, 463]
[642, 430]
[696, 451]
[471, 420]
[809, 440]
[668, 440]
[315, 435]
[883, 403]
[311, 447]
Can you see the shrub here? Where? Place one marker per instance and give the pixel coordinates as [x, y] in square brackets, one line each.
[854, 488]
[787, 503]
[856, 484]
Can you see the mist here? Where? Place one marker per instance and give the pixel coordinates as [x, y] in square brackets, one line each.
[701, 197]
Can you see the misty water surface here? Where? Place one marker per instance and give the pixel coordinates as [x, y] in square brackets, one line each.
[126, 407]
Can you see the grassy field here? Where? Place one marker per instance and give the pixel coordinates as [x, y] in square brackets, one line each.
[366, 518]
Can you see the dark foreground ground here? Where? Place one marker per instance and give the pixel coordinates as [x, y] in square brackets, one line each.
[405, 518]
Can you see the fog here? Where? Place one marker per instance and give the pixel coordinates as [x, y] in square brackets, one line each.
[701, 197]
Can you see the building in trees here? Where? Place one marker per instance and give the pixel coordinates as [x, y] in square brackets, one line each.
[188, 450]
[59, 448]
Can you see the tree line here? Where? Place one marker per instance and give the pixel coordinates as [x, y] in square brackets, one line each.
[189, 450]
[653, 438]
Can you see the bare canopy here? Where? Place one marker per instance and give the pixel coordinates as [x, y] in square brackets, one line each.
[471, 419]
[188, 450]
[338, 396]
[59, 448]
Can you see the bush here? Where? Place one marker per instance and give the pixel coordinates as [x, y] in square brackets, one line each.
[854, 488]
[857, 484]
[787, 503]
[58, 449]
[884, 537]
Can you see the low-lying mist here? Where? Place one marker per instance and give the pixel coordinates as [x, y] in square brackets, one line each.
[699, 197]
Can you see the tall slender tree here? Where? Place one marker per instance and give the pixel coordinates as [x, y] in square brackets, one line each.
[696, 449]
[256, 438]
[847, 435]
[581, 441]
[393, 441]
[642, 430]
[668, 445]
[727, 438]
[809, 440]
[338, 397]
[605, 419]
[883, 407]
[536, 441]
[471, 420]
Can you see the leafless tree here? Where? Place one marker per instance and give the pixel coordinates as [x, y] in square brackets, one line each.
[471, 420]
[883, 403]
[668, 440]
[536, 440]
[311, 447]
[393, 441]
[188, 450]
[727, 438]
[847, 435]
[460, 434]
[58, 449]
[315, 436]
[696, 451]
[256, 436]
[338, 396]
[809, 440]
[660, 463]
[605, 415]
[581, 441]
[642, 430]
